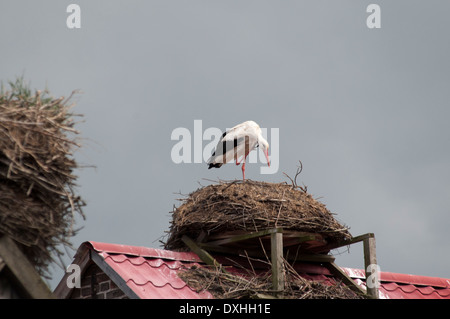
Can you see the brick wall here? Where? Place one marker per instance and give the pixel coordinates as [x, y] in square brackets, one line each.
[95, 284]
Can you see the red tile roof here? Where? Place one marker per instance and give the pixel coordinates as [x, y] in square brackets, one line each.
[152, 273]
[404, 286]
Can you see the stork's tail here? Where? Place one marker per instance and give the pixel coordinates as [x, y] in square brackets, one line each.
[216, 165]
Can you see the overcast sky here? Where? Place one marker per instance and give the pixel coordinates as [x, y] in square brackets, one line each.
[365, 110]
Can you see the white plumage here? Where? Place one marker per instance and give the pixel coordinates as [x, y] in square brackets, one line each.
[237, 143]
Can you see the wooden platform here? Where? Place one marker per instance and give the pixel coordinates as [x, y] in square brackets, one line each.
[258, 244]
[237, 242]
[278, 246]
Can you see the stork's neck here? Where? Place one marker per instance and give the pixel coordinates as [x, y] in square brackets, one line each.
[262, 140]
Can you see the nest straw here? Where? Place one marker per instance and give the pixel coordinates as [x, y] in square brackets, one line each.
[251, 206]
[38, 203]
[223, 285]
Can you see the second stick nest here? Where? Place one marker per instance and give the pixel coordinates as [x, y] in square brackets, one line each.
[38, 202]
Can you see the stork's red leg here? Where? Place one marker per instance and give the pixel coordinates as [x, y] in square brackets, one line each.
[243, 166]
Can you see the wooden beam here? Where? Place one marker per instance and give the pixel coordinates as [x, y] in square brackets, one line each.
[2, 264]
[315, 258]
[201, 237]
[276, 249]
[219, 249]
[22, 270]
[343, 243]
[228, 245]
[362, 238]
[221, 244]
[348, 281]
[293, 239]
[237, 238]
[371, 267]
[203, 254]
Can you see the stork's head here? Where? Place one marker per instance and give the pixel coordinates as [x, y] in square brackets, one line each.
[264, 147]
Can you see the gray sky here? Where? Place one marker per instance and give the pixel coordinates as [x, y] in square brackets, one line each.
[365, 110]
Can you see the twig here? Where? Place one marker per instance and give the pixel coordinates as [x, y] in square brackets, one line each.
[294, 181]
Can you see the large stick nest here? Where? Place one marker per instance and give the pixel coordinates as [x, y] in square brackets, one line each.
[251, 206]
[38, 203]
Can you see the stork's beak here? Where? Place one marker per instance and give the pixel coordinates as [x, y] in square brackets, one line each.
[266, 152]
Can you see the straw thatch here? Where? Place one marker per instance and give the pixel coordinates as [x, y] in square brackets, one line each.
[251, 206]
[38, 203]
[224, 285]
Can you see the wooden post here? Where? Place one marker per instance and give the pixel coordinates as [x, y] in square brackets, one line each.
[22, 270]
[276, 248]
[371, 267]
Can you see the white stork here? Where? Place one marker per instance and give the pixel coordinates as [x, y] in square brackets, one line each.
[237, 143]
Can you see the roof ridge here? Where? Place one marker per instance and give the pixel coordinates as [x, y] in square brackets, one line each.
[143, 251]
